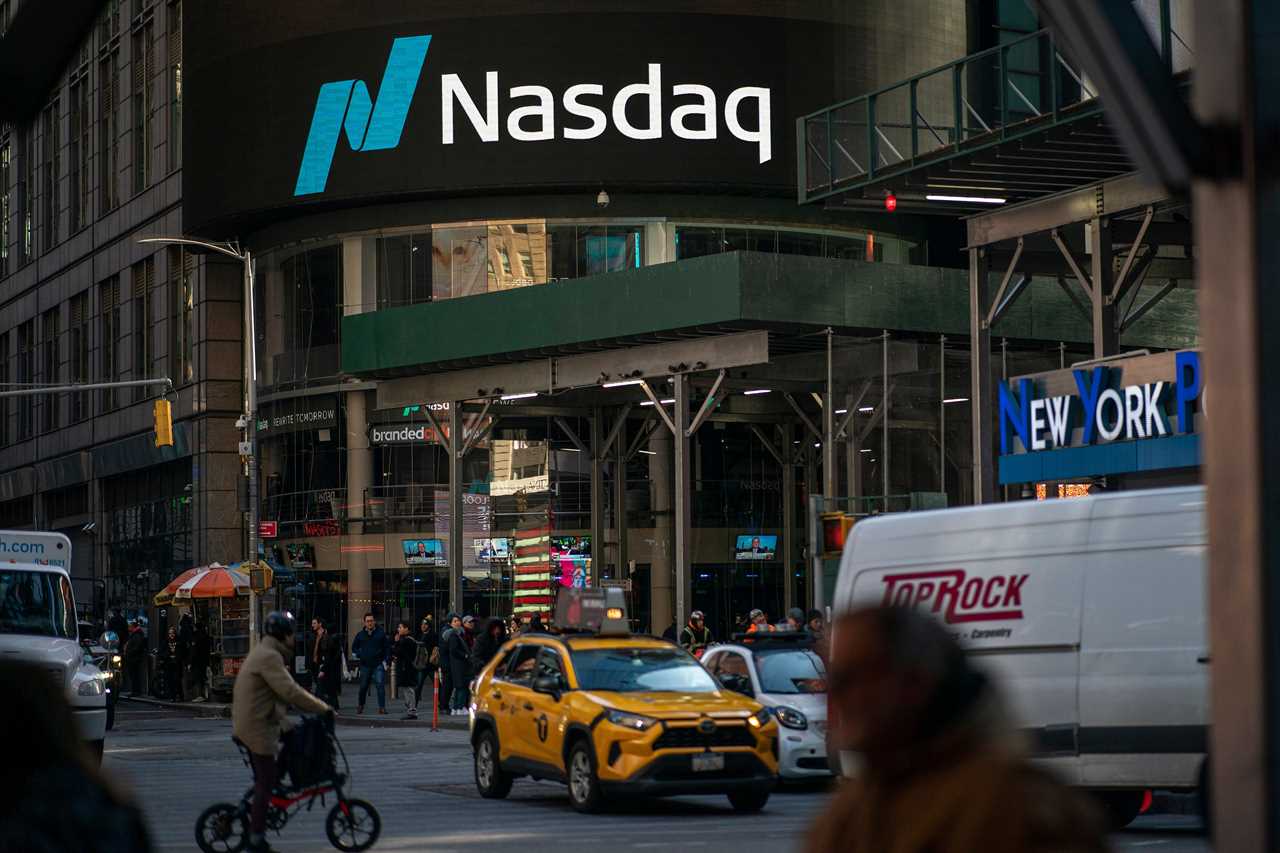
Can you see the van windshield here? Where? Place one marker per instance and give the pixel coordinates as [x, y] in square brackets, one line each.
[36, 603]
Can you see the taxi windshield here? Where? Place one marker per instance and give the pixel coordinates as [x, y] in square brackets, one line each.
[791, 671]
[36, 603]
[641, 670]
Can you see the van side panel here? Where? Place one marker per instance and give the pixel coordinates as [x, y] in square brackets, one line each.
[1143, 674]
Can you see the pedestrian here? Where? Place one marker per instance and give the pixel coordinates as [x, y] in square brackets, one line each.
[117, 625]
[429, 644]
[672, 633]
[372, 648]
[404, 653]
[759, 622]
[461, 641]
[488, 643]
[170, 664]
[186, 633]
[198, 664]
[695, 636]
[135, 659]
[325, 659]
[942, 770]
[795, 620]
[53, 796]
[535, 625]
[453, 622]
[263, 690]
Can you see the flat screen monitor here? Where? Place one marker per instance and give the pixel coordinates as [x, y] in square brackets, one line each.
[755, 546]
[424, 552]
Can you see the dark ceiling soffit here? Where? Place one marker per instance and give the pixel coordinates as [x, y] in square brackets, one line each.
[42, 40]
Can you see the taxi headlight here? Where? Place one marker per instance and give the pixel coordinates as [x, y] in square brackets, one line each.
[635, 722]
[758, 719]
[790, 717]
[115, 659]
[90, 687]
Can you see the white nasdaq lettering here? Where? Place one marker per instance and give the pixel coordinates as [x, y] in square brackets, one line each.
[451, 89]
[651, 90]
[707, 110]
[762, 135]
[544, 110]
[573, 106]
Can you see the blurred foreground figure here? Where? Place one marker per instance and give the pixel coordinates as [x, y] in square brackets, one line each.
[942, 770]
[52, 798]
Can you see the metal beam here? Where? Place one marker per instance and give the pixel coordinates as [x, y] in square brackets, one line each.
[803, 417]
[617, 428]
[456, 515]
[573, 436]
[1138, 313]
[768, 445]
[1017, 291]
[642, 435]
[1004, 284]
[1086, 283]
[982, 384]
[597, 497]
[445, 439]
[852, 402]
[1085, 313]
[707, 407]
[470, 434]
[662, 413]
[1106, 331]
[877, 416]
[682, 505]
[1133, 252]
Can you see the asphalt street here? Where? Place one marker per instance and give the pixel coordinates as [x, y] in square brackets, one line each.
[421, 781]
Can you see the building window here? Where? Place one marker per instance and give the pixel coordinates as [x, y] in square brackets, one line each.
[26, 189]
[4, 380]
[109, 340]
[51, 163]
[6, 160]
[81, 147]
[144, 329]
[50, 403]
[79, 363]
[175, 85]
[143, 66]
[26, 376]
[182, 304]
[109, 108]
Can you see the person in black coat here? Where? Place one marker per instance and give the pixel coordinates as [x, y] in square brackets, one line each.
[430, 642]
[169, 658]
[197, 664]
[461, 642]
[325, 659]
[488, 643]
[404, 652]
[453, 622]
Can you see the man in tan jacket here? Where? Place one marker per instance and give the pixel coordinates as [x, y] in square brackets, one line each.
[264, 690]
[942, 771]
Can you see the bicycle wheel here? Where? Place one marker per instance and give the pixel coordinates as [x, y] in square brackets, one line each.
[353, 825]
[222, 828]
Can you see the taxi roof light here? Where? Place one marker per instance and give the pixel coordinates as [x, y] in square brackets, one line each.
[594, 611]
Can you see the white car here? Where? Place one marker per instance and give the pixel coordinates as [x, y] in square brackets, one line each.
[782, 672]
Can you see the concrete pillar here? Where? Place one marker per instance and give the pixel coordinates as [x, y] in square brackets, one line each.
[1106, 335]
[359, 481]
[982, 389]
[683, 503]
[661, 575]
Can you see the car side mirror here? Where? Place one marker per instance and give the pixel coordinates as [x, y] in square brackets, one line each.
[737, 683]
[548, 684]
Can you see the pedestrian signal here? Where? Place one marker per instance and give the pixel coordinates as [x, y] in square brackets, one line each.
[164, 423]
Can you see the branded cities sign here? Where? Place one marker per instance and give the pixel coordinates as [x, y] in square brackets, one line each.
[1127, 416]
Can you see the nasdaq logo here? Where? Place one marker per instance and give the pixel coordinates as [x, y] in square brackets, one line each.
[345, 105]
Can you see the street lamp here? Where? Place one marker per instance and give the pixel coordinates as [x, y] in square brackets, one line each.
[248, 447]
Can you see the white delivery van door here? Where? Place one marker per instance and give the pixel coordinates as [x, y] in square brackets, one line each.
[1008, 584]
[1143, 672]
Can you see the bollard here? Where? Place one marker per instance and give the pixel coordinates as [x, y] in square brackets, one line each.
[435, 701]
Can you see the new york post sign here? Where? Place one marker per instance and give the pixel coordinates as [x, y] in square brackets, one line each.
[1120, 417]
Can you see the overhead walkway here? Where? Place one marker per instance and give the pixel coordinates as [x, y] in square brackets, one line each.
[1013, 122]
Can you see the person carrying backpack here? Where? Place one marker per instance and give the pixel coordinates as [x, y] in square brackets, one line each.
[428, 654]
[405, 654]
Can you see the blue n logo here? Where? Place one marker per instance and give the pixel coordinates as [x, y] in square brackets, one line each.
[370, 125]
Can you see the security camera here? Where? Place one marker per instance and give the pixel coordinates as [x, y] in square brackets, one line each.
[602, 200]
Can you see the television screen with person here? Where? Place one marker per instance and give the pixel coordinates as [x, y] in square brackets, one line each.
[754, 546]
[489, 550]
[424, 552]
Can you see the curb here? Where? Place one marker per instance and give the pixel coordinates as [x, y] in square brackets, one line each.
[203, 709]
[373, 721]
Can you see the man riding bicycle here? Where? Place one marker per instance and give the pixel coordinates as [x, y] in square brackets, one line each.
[264, 689]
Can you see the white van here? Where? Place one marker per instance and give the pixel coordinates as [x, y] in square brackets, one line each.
[38, 624]
[1090, 612]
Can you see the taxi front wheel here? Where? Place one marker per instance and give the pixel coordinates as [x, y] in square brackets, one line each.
[752, 800]
[584, 786]
[491, 780]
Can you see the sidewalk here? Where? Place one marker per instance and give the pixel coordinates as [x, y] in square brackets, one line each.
[346, 715]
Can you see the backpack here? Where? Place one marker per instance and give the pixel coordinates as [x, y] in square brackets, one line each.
[421, 658]
[435, 656]
[308, 753]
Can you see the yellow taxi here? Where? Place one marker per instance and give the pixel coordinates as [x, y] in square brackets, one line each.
[611, 713]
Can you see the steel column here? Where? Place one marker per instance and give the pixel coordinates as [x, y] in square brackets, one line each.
[981, 394]
[1106, 336]
[682, 509]
[830, 453]
[788, 454]
[620, 494]
[598, 450]
[456, 455]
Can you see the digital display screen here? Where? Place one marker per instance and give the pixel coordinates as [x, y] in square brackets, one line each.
[424, 552]
[301, 555]
[489, 550]
[754, 546]
[571, 560]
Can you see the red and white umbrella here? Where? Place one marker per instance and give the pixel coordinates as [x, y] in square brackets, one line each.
[212, 581]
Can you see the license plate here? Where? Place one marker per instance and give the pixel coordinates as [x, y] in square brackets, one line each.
[708, 761]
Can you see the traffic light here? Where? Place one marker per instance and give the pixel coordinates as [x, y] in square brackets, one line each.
[835, 527]
[164, 423]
